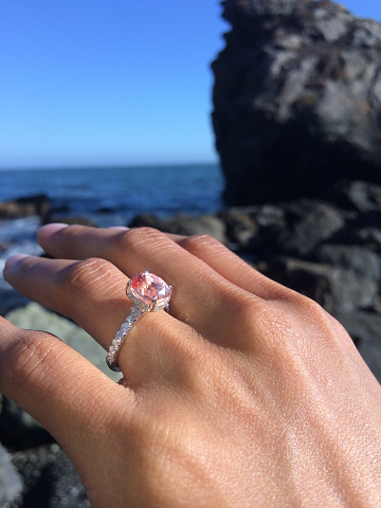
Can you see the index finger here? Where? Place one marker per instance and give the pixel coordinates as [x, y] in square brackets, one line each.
[57, 386]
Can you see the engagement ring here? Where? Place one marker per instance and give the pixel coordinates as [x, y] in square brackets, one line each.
[148, 293]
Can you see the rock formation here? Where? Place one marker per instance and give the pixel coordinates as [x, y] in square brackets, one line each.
[25, 206]
[297, 99]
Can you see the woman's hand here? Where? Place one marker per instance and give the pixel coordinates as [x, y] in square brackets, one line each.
[246, 394]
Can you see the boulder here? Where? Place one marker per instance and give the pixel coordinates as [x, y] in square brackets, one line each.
[184, 224]
[337, 290]
[26, 206]
[297, 100]
[360, 260]
[317, 224]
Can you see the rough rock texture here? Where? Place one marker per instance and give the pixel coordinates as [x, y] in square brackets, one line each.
[297, 99]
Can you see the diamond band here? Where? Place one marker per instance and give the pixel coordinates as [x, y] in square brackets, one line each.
[148, 293]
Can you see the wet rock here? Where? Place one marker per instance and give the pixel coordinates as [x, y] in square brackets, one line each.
[184, 224]
[314, 227]
[23, 207]
[364, 328]
[297, 100]
[337, 290]
[11, 484]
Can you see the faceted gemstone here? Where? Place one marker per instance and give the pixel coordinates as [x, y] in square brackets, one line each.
[147, 286]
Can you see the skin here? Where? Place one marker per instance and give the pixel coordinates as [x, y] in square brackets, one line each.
[246, 394]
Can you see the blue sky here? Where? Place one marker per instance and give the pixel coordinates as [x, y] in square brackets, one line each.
[102, 82]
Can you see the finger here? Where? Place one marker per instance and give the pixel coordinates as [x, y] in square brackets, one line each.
[230, 266]
[92, 293]
[201, 297]
[57, 386]
[212, 252]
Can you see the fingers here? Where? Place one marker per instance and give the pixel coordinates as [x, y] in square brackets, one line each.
[90, 292]
[203, 247]
[56, 385]
[230, 266]
[201, 297]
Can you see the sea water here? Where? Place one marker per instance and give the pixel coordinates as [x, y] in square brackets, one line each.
[107, 195]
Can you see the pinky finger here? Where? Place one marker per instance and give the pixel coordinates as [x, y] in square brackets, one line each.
[230, 266]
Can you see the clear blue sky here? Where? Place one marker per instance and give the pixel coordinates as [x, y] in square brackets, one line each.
[94, 82]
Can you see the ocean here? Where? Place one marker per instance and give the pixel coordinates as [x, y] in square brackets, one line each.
[108, 196]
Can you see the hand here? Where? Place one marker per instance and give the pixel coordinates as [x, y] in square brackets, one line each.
[246, 394]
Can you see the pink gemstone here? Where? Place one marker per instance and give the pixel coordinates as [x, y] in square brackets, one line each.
[146, 286]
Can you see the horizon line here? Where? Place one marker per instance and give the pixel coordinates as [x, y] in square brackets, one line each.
[108, 166]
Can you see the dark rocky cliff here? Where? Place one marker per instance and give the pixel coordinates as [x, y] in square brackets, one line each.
[297, 99]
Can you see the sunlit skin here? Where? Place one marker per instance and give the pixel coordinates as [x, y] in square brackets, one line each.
[247, 394]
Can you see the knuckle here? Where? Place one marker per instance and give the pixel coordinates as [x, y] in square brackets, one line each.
[83, 277]
[319, 317]
[133, 238]
[307, 307]
[199, 243]
[244, 306]
[31, 358]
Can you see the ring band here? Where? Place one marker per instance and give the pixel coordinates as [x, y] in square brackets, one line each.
[148, 293]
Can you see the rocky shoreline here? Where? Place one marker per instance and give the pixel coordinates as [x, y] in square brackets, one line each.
[327, 247]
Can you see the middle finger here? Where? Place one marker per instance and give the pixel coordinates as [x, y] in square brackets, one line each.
[202, 298]
[91, 292]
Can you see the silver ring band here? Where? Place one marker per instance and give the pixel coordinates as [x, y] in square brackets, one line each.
[120, 336]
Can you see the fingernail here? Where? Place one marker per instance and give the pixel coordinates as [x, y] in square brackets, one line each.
[119, 228]
[49, 229]
[12, 260]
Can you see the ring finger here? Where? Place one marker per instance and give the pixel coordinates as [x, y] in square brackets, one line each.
[202, 297]
[92, 293]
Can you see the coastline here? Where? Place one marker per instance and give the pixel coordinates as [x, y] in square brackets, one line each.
[327, 248]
